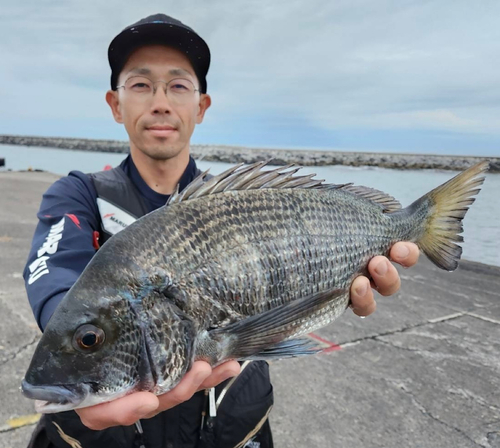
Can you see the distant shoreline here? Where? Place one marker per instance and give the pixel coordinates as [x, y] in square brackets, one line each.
[237, 154]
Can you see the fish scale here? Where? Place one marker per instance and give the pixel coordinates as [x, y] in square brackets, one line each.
[318, 248]
[332, 268]
[235, 267]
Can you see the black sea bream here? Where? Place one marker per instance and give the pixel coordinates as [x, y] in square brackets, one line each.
[236, 267]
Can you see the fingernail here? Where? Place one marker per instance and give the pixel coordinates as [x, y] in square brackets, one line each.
[362, 289]
[402, 251]
[381, 268]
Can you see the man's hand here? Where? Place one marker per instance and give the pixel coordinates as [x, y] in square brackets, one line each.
[127, 410]
[385, 277]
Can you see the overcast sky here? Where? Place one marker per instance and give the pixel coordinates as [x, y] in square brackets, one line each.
[384, 75]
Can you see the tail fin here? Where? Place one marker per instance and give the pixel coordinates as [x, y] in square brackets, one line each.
[449, 204]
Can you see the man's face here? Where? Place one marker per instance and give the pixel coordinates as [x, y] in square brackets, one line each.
[157, 126]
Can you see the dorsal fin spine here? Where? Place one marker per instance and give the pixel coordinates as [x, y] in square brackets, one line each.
[252, 177]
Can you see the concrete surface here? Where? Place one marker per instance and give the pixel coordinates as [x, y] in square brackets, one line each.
[423, 371]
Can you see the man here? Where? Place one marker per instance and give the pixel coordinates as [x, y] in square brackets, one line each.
[159, 93]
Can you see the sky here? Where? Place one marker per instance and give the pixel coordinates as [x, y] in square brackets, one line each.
[358, 75]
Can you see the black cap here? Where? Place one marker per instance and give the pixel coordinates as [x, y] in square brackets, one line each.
[164, 30]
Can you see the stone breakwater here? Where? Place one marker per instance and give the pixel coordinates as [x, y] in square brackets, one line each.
[237, 154]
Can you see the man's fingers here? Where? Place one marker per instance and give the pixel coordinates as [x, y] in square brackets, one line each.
[127, 410]
[384, 275]
[405, 254]
[189, 384]
[121, 412]
[362, 301]
[221, 373]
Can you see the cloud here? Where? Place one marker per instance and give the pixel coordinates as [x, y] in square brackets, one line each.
[332, 66]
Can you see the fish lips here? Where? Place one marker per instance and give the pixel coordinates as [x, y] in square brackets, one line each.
[62, 397]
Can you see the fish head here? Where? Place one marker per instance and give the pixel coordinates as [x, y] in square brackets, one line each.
[92, 351]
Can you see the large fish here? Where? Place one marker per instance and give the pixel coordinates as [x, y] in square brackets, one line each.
[236, 267]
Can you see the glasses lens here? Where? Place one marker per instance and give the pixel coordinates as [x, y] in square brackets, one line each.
[180, 86]
[139, 84]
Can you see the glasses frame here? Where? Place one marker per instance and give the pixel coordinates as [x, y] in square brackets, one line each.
[155, 82]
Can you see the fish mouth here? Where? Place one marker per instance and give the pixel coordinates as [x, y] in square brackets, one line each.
[55, 398]
[59, 398]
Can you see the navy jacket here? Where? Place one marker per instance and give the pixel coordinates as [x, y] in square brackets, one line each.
[63, 242]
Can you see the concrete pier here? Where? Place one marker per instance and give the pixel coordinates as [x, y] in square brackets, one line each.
[423, 371]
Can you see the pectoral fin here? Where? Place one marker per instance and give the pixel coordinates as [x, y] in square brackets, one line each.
[271, 334]
[289, 349]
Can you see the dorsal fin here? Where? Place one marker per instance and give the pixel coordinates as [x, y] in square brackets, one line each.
[387, 202]
[250, 177]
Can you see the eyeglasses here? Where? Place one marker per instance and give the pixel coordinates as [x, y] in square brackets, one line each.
[178, 90]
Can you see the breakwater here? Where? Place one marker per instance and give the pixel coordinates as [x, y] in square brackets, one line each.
[237, 154]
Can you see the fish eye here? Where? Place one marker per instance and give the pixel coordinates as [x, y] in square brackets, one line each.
[88, 338]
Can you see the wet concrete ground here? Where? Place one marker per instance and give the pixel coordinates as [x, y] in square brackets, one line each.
[423, 371]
